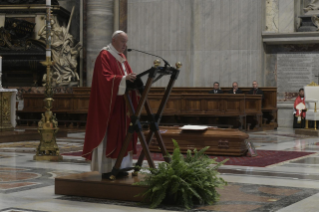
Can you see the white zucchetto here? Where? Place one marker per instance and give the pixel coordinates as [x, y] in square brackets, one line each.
[117, 32]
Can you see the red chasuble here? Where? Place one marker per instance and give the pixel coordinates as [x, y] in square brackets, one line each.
[297, 101]
[108, 111]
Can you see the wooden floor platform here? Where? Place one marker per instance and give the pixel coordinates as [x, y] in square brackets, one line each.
[90, 184]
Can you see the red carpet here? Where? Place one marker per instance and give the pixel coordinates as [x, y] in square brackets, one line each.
[264, 158]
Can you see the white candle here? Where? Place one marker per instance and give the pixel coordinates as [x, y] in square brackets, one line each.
[48, 2]
[0, 64]
[48, 53]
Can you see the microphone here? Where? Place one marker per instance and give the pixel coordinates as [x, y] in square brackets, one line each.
[166, 63]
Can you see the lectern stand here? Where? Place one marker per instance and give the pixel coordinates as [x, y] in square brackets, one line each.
[154, 74]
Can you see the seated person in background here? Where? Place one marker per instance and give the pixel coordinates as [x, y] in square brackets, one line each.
[299, 110]
[235, 89]
[216, 88]
[256, 90]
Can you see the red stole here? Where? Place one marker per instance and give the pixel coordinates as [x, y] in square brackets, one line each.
[297, 101]
[107, 110]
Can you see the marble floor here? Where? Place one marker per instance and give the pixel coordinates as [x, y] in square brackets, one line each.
[27, 185]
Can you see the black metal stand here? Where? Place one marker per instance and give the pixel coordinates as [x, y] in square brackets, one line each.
[154, 74]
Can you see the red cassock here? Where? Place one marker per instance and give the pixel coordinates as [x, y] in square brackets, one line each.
[297, 101]
[107, 110]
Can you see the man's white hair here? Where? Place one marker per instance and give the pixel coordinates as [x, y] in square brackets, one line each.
[117, 32]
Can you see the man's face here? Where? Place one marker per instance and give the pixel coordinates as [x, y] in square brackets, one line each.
[235, 86]
[119, 42]
[216, 86]
[301, 93]
[255, 85]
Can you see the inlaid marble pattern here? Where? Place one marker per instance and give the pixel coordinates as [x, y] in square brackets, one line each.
[19, 179]
[273, 138]
[286, 187]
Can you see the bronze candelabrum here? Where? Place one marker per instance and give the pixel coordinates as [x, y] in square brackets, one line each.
[48, 149]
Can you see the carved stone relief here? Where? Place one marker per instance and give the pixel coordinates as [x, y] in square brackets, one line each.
[64, 54]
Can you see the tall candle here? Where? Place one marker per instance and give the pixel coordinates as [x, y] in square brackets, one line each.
[48, 23]
[0, 64]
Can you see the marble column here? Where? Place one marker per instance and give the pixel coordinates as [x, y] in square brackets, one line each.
[271, 15]
[100, 16]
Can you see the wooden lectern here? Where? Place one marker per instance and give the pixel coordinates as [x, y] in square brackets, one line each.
[154, 74]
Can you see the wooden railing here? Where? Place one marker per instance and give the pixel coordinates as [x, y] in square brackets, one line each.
[72, 108]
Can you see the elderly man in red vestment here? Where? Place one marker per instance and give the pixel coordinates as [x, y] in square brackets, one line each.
[299, 110]
[108, 118]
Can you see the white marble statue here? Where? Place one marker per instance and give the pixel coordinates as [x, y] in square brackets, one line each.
[312, 7]
[64, 54]
[315, 21]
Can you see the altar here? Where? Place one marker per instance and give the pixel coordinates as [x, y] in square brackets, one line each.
[7, 109]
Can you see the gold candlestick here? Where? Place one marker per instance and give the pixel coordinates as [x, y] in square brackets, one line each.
[48, 149]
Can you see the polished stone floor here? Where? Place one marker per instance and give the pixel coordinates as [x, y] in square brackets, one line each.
[27, 185]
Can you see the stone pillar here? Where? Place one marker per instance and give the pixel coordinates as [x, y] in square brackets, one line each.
[100, 16]
[272, 23]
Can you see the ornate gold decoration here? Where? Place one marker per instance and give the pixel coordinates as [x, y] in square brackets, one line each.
[112, 177]
[178, 65]
[48, 125]
[157, 63]
[306, 124]
[313, 84]
[5, 108]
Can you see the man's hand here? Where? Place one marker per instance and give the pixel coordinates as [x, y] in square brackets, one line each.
[131, 77]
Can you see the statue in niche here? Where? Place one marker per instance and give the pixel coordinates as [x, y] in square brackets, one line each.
[64, 55]
[312, 7]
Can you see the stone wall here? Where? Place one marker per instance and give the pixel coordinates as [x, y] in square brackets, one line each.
[288, 66]
[216, 40]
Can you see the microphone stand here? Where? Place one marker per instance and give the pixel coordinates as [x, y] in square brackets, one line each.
[162, 72]
[166, 63]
